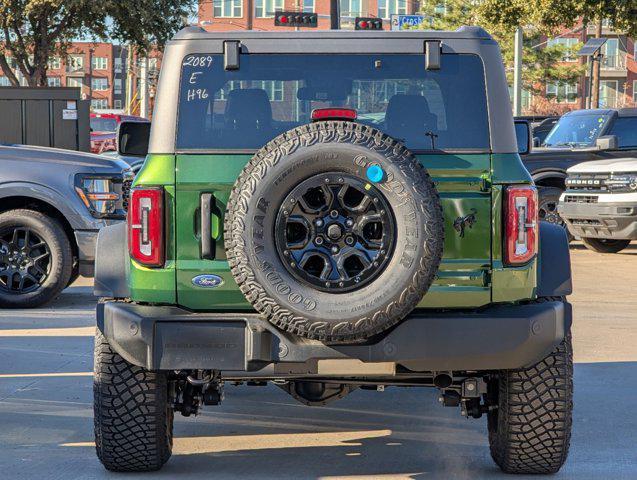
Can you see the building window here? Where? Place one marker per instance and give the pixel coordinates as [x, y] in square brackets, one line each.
[568, 44]
[75, 63]
[117, 104]
[118, 85]
[100, 63]
[610, 52]
[4, 82]
[562, 92]
[387, 8]
[635, 91]
[119, 65]
[274, 89]
[99, 84]
[54, 81]
[99, 104]
[308, 6]
[228, 8]
[266, 8]
[608, 93]
[55, 63]
[74, 82]
[351, 8]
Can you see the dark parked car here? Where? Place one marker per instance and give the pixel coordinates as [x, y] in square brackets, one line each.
[52, 204]
[579, 136]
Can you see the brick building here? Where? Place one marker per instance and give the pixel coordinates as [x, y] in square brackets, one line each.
[99, 69]
[221, 15]
[618, 73]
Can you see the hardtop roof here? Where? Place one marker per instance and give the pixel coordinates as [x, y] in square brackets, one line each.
[462, 33]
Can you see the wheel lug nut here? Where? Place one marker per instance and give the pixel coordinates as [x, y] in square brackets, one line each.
[292, 264]
[340, 284]
[318, 240]
[327, 284]
[333, 214]
[286, 252]
[349, 241]
[319, 222]
[375, 264]
[349, 222]
[334, 249]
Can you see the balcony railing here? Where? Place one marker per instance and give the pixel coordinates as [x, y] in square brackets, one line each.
[614, 62]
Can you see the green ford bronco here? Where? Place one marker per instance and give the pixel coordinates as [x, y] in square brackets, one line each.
[330, 211]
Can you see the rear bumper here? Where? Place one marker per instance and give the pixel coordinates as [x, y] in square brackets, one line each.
[600, 220]
[246, 346]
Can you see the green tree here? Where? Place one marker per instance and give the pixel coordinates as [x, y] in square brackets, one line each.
[32, 31]
[549, 15]
[542, 63]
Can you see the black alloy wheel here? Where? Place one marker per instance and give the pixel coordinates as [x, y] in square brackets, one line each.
[335, 232]
[549, 198]
[36, 258]
[25, 260]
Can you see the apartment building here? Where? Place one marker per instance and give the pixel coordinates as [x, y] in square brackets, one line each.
[99, 69]
[618, 72]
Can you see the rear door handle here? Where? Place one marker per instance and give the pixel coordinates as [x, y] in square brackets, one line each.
[207, 243]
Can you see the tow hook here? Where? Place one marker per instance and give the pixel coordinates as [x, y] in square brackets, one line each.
[194, 390]
[467, 396]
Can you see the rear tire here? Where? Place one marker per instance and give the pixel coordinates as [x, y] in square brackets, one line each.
[549, 197]
[603, 245]
[132, 415]
[530, 431]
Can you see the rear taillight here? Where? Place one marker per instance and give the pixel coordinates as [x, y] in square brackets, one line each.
[521, 228]
[146, 226]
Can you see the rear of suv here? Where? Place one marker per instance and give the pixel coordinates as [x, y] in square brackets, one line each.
[329, 211]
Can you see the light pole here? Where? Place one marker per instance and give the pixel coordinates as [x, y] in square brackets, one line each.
[91, 50]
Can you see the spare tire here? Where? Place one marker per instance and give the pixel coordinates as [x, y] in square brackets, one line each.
[334, 231]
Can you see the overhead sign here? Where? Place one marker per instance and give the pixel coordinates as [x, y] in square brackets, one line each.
[404, 22]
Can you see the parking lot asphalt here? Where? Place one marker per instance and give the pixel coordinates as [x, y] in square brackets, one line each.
[260, 432]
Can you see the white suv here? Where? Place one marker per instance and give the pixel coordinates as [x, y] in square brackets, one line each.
[600, 203]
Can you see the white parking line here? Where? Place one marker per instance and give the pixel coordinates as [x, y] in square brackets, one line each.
[49, 332]
[40, 375]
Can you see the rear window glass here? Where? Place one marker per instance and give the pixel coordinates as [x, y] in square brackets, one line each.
[101, 124]
[270, 94]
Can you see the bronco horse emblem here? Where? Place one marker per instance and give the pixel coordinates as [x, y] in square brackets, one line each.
[460, 223]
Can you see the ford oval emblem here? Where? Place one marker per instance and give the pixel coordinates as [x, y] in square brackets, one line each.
[207, 281]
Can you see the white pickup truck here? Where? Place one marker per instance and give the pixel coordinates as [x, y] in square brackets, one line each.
[600, 203]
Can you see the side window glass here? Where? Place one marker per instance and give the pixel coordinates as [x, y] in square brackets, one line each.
[625, 128]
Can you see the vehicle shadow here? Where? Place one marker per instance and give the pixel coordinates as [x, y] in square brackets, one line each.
[259, 432]
[401, 433]
[630, 250]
